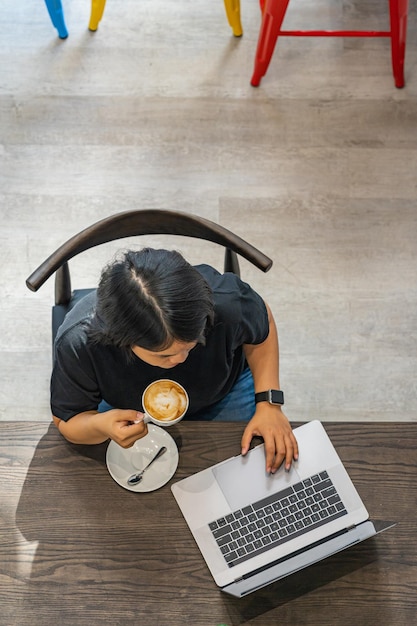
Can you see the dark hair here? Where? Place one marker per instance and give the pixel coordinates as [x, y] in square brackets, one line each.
[151, 298]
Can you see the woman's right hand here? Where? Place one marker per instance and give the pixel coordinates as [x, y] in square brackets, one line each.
[124, 426]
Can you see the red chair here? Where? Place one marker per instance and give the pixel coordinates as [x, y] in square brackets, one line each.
[273, 14]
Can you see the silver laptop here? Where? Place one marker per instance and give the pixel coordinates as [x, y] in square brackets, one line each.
[253, 528]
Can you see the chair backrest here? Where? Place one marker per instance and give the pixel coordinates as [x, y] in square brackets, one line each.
[142, 222]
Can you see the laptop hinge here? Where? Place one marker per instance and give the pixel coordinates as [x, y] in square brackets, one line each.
[296, 553]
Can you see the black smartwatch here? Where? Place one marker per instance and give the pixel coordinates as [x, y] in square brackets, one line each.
[273, 396]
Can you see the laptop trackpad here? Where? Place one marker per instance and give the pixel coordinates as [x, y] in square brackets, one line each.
[243, 479]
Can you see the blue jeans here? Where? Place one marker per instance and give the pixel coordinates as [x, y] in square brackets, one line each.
[237, 406]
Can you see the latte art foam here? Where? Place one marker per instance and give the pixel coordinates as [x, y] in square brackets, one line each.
[164, 400]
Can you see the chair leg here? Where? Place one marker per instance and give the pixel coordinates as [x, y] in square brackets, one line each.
[272, 17]
[233, 16]
[57, 17]
[97, 10]
[398, 16]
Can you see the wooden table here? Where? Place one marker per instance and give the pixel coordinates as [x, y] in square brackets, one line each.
[77, 549]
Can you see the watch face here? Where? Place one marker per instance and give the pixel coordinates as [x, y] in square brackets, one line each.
[277, 397]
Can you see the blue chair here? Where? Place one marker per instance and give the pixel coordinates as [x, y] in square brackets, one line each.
[57, 16]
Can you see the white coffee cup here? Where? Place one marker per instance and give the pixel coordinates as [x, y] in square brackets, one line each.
[165, 402]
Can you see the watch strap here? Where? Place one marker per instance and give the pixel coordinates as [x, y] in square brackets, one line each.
[273, 396]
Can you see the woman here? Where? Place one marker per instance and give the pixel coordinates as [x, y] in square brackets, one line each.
[154, 312]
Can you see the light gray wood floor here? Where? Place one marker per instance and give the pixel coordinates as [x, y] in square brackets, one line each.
[318, 167]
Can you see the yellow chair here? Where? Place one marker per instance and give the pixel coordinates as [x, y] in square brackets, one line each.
[233, 16]
[97, 9]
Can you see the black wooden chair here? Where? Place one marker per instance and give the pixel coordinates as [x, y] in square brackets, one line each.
[128, 224]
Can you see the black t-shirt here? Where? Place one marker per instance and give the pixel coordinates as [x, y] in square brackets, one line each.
[85, 372]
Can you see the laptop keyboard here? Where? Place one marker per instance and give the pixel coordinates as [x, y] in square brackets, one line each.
[278, 518]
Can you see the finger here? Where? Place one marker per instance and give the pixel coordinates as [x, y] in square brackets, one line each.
[131, 440]
[139, 436]
[133, 429]
[280, 454]
[139, 418]
[138, 429]
[247, 437]
[295, 447]
[291, 451]
[273, 456]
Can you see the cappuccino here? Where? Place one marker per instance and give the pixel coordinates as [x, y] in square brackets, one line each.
[165, 400]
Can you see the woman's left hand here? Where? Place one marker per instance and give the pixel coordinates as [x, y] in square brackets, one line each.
[270, 423]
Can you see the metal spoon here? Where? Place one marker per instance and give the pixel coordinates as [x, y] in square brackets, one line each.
[136, 478]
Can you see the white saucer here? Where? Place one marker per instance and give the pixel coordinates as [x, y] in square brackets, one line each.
[123, 462]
